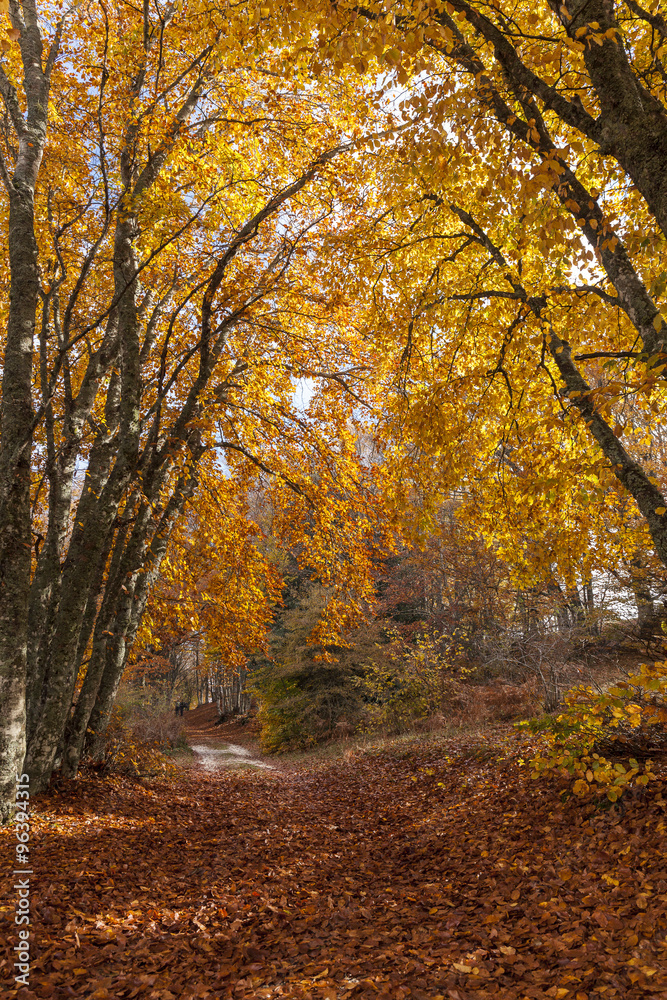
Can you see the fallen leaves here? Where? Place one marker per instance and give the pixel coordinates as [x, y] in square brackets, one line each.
[349, 880]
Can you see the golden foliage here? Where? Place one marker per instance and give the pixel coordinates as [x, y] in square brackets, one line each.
[627, 720]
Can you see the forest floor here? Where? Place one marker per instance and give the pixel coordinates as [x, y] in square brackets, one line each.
[431, 868]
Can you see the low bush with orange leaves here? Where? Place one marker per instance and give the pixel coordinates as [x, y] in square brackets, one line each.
[136, 744]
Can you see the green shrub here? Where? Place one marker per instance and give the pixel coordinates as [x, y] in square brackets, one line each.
[412, 680]
[310, 693]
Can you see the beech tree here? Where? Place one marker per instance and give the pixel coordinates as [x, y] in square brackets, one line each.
[169, 183]
[517, 254]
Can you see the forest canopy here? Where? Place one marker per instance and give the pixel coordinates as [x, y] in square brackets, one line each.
[296, 290]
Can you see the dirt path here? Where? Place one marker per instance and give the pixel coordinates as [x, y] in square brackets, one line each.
[213, 757]
[231, 745]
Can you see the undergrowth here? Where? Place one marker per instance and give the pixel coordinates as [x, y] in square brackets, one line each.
[136, 743]
[604, 740]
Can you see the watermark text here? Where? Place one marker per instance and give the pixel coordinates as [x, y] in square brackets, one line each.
[22, 872]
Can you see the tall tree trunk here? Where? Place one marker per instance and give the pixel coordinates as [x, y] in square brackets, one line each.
[646, 617]
[575, 605]
[46, 586]
[60, 668]
[122, 608]
[16, 415]
[15, 456]
[56, 674]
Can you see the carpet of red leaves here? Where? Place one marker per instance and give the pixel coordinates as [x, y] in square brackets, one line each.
[429, 872]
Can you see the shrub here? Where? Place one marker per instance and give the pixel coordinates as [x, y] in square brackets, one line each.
[305, 702]
[162, 728]
[594, 729]
[506, 702]
[135, 744]
[412, 680]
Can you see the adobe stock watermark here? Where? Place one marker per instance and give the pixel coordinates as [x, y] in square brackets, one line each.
[22, 871]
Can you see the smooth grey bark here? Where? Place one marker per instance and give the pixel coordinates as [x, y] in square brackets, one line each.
[15, 456]
[127, 601]
[99, 623]
[85, 540]
[111, 627]
[111, 469]
[115, 460]
[60, 472]
[17, 415]
[58, 670]
[97, 508]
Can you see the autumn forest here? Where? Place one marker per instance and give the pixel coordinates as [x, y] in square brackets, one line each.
[333, 499]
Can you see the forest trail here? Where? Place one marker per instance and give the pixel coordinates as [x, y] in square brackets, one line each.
[213, 757]
[230, 745]
[440, 871]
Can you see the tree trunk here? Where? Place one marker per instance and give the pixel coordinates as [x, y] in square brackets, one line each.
[16, 415]
[58, 673]
[646, 617]
[15, 537]
[119, 618]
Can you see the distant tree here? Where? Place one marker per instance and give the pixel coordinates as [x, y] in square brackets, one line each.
[310, 692]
